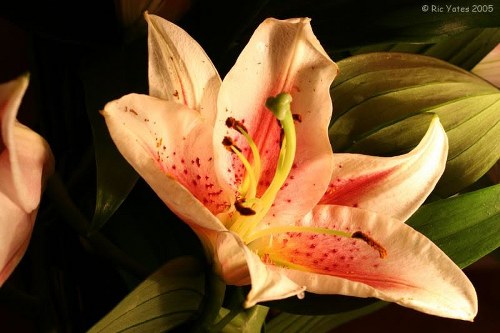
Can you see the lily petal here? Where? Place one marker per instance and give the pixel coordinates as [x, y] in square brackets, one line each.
[24, 154]
[281, 56]
[166, 143]
[25, 162]
[380, 184]
[414, 272]
[16, 227]
[241, 266]
[179, 69]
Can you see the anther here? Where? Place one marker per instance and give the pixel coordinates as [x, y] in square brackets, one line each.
[297, 117]
[229, 144]
[235, 124]
[245, 211]
[371, 242]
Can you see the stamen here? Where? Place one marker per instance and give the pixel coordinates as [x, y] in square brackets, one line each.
[235, 124]
[284, 229]
[371, 242]
[229, 144]
[252, 180]
[250, 190]
[238, 126]
[245, 211]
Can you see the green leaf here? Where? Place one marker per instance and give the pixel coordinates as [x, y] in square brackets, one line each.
[383, 102]
[465, 227]
[112, 73]
[464, 49]
[169, 297]
[214, 297]
[292, 323]
[249, 321]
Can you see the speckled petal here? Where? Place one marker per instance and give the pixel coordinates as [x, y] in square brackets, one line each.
[166, 143]
[393, 262]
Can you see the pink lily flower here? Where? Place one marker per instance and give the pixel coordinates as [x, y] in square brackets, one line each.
[25, 162]
[255, 176]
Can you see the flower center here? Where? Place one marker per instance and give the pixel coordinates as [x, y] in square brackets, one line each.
[249, 209]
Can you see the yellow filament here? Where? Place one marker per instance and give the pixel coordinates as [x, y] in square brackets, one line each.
[249, 193]
[252, 188]
[284, 229]
[255, 152]
[286, 263]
